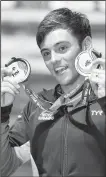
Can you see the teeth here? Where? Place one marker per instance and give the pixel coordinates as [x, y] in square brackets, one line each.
[60, 69]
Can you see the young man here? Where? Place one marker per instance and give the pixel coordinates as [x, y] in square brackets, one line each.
[71, 142]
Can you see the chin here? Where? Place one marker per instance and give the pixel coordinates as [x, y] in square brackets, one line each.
[68, 80]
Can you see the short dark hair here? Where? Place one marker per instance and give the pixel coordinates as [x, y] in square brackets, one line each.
[64, 18]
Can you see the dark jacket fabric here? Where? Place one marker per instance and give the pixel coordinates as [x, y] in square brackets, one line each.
[70, 144]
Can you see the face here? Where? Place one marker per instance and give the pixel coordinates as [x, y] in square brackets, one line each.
[59, 50]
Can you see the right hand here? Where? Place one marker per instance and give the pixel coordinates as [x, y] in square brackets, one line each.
[9, 89]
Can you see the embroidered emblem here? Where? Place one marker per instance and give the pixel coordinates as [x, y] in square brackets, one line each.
[98, 112]
[46, 115]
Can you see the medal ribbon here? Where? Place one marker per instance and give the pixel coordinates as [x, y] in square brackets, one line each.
[66, 99]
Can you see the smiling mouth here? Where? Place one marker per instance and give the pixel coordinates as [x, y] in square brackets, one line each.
[61, 70]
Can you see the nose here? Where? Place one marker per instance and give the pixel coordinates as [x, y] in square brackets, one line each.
[54, 57]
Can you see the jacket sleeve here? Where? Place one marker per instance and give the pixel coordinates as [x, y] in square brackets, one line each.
[11, 138]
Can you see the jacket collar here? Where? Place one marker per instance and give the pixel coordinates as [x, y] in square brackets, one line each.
[48, 97]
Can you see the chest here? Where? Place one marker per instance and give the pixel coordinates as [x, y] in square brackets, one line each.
[52, 130]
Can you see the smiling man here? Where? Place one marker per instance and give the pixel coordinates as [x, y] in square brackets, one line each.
[59, 50]
[70, 141]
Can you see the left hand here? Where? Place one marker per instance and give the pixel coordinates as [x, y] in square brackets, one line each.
[97, 79]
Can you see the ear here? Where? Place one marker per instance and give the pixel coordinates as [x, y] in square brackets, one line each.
[87, 43]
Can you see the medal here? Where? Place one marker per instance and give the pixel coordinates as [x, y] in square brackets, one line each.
[84, 62]
[20, 69]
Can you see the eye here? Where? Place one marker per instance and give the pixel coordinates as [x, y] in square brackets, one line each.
[63, 48]
[46, 53]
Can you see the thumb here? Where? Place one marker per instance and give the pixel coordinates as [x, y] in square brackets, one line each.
[5, 71]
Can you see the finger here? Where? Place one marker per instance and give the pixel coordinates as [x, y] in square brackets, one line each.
[97, 76]
[9, 85]
[100, 62]
[98, 80]
[7, 90]
[97, 84]
[98, 71]
[9, 80]
[6, 71]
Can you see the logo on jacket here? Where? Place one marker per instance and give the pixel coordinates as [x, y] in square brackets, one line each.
[99, 112]
[46, 115]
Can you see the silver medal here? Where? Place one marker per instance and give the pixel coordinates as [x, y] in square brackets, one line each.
[20, 69]
[83, 62]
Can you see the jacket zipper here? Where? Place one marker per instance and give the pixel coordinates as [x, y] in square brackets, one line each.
[64, 155]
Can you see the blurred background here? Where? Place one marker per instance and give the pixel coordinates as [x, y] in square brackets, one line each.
[19, 21]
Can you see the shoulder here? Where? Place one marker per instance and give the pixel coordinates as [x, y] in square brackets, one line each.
[98, 116]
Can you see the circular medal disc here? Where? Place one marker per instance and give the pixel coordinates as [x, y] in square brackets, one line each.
[83, 63]
[20, 69]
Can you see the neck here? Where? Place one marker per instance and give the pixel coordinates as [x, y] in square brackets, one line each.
[72, 86]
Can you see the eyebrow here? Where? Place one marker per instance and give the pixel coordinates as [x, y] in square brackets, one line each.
[43, 49]
[58, 43]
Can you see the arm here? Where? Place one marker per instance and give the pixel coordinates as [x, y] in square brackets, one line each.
[10, 138]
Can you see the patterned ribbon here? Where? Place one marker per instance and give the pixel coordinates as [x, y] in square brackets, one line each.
[70, 99]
